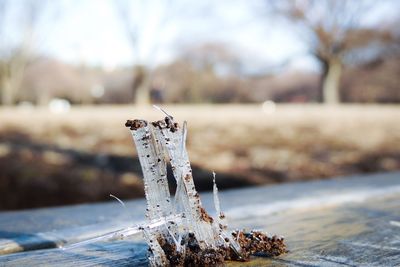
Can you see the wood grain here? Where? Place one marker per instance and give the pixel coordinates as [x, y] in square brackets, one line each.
[351, 222]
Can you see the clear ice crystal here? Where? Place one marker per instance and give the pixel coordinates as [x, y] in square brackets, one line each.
[181, 232]
[158, 143]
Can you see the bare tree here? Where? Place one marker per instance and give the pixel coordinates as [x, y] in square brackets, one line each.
[15, 57]
[136, 17]
[146, 24]
[334, 32]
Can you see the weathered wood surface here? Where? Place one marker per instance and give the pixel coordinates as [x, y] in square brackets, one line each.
[341, 222]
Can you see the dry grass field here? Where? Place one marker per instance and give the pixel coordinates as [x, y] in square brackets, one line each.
[87, 153]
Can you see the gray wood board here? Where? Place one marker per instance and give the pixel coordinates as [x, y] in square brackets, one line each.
[352, 222]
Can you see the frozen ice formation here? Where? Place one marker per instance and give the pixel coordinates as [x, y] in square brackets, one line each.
[188, 235]
[178, 230]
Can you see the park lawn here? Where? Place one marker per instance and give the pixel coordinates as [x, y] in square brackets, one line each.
[87, 153]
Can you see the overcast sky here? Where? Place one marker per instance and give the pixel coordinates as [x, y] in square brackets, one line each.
[91, 32]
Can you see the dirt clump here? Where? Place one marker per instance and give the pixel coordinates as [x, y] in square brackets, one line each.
[252, 243]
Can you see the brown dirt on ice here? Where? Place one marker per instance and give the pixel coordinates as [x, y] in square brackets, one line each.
[253, 243]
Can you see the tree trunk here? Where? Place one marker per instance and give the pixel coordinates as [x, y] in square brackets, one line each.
[142, 94]
[331, 81]
[141, 85]
[43, 98]
[11, 78]
[7, 95]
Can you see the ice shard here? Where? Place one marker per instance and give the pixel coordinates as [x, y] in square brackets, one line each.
[152, 160]
[182, 233]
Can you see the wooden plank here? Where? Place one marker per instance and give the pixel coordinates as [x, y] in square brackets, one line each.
[352, 222]
[121, 253]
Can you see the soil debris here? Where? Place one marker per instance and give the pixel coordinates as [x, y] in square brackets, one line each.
[135, 124]
[253, 243]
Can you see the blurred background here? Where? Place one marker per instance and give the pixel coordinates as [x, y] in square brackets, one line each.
[273, 92]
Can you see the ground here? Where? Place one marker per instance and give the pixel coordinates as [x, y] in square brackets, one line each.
[87, 153]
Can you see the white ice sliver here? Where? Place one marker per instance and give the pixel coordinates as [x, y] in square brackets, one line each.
[172, 222]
